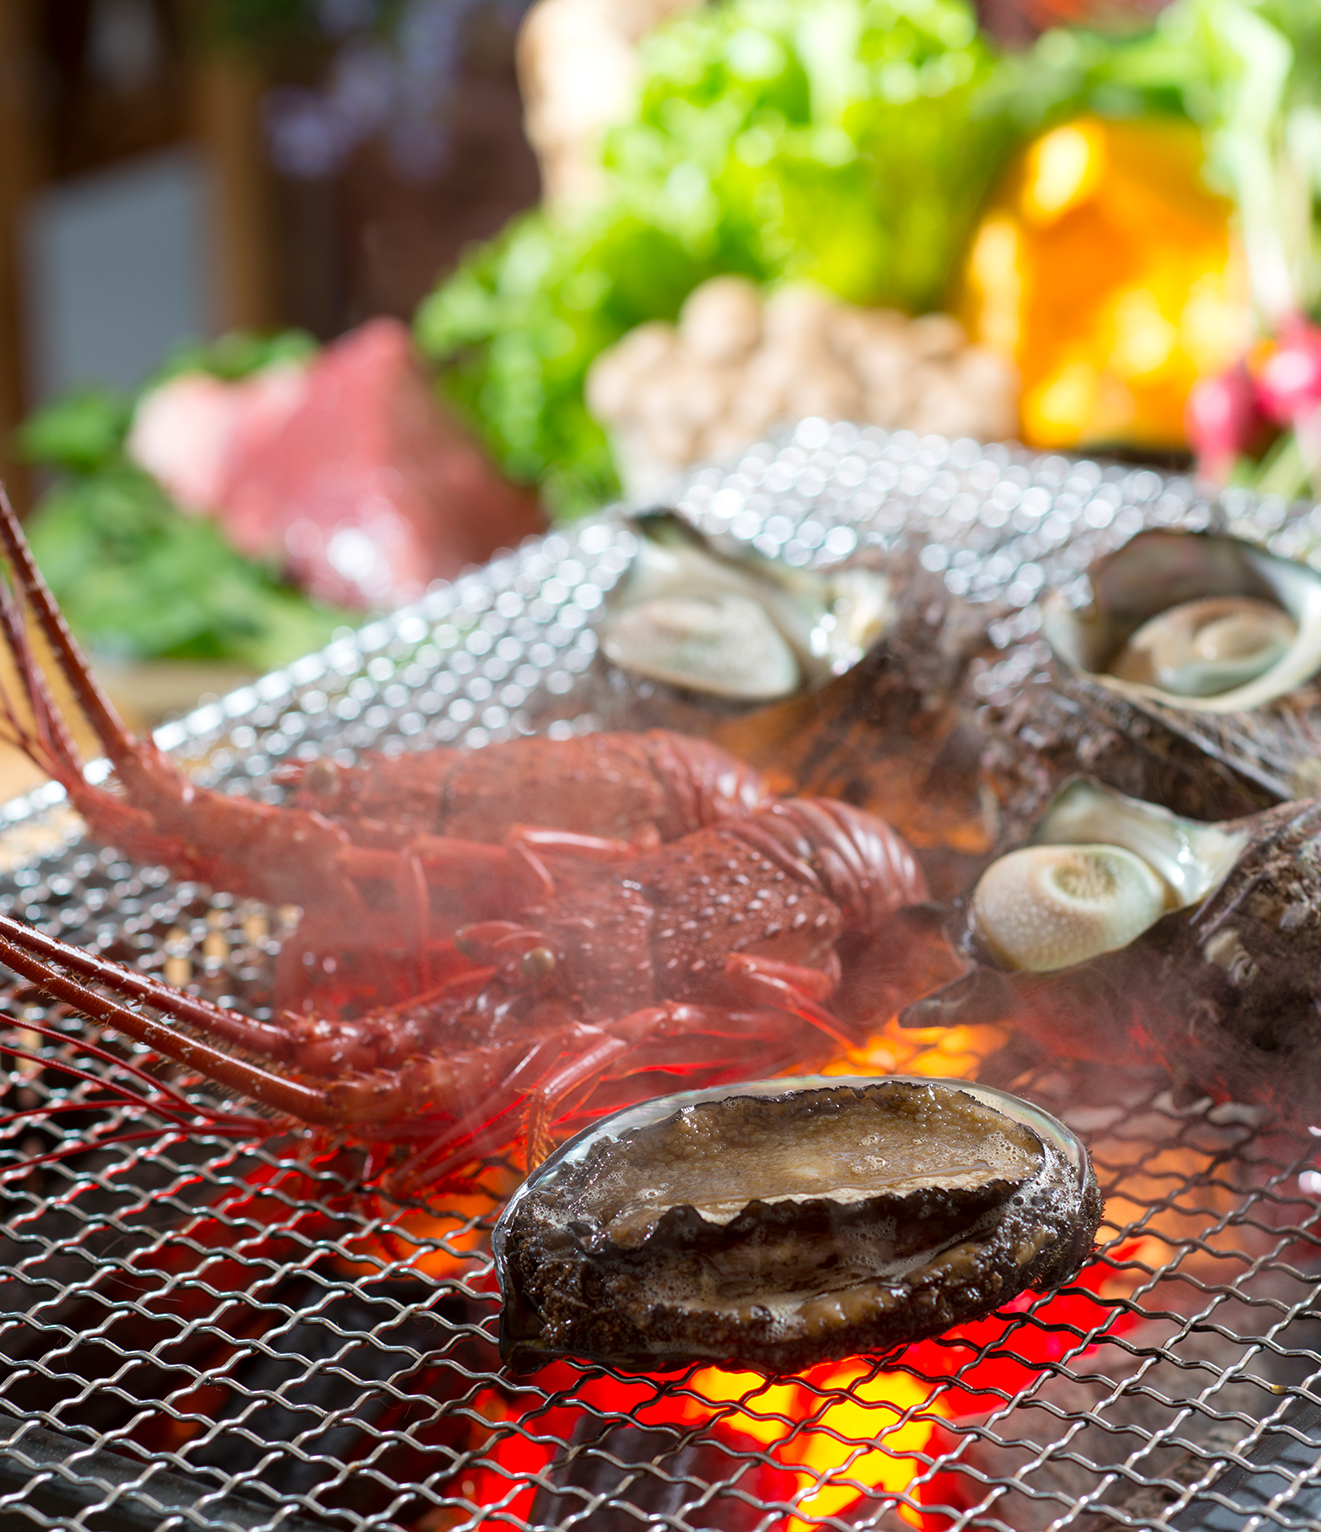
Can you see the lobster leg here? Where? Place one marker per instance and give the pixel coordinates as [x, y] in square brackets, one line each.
[788, 987]
[371, 1102]
[117, 742]
[595, 1052]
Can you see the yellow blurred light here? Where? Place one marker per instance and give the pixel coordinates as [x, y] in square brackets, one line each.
[1057, 409]
[1144, 340]
[995, 268]
[1106, 271]
[1062, 168]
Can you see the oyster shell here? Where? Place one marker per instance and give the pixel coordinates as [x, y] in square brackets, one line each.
[1223, 988]
[897, 734]
[734, 625]
[781, 1224]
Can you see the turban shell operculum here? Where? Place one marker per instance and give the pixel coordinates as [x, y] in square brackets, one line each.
[1101, 870]
[1195, 621]
[1223, 987]
[1045, 907]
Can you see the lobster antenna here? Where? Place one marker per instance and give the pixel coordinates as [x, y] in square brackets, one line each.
[279, 1092]
[48, 743]
[100, 711]
[192, 1009]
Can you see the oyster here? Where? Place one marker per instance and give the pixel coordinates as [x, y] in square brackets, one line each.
[735, 625]
[781, 1224]
[897, 734]
[1221, 983]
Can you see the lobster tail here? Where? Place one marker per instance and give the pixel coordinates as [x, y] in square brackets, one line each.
[856, 860]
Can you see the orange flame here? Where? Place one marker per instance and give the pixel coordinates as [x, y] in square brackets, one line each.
[849, 1430]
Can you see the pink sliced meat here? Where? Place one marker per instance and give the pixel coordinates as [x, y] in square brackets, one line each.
[368, 491]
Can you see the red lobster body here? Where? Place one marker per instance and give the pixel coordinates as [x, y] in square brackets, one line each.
[704, 960]
[385, 858]
[623, 787]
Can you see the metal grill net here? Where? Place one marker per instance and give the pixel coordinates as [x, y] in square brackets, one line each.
[200, 1331]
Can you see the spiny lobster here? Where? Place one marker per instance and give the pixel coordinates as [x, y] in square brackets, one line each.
[385, 858]
[704, 960]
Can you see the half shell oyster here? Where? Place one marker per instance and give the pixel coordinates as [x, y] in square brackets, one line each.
[781, 1224]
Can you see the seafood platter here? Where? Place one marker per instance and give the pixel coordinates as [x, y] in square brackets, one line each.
[922, 833]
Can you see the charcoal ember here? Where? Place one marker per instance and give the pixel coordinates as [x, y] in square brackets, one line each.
[791, 1226]
[624, 1475]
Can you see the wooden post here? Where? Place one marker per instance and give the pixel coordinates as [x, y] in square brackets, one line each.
[228, 126]
[21, 166]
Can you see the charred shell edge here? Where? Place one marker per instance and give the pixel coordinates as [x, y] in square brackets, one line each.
[1085, 640]
[937, 1299]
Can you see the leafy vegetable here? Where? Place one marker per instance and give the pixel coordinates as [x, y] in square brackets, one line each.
[845, 142]
[137, 577]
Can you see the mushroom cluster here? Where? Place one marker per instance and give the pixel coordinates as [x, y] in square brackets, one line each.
[672, 395]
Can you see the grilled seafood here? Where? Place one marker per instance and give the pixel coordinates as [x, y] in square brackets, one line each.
[386, 856]
[910, 734]
[1123, 927]
[736, 626]
[785, 1224]
[1187, 681]
[898, 733]
[697, 960]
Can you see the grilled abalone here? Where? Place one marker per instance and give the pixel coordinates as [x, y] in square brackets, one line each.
[1222, 980]
[781, 1224]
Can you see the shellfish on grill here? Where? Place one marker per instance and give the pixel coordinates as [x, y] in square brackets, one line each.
[1195, 621]
[1189, 679]
[1123, 928]
[781, 1224]
[725, 622]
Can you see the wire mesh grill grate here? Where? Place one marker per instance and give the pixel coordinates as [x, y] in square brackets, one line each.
[198, 1329]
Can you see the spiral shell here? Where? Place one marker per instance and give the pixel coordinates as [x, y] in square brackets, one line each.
[1224, 988]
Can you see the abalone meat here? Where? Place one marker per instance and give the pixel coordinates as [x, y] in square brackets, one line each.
[780, 1224]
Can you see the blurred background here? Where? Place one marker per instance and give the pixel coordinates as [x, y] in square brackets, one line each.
[305, 304]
